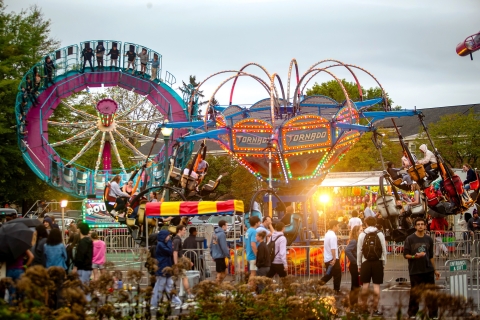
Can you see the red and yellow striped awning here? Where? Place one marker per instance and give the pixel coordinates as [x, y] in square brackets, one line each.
[193, 208]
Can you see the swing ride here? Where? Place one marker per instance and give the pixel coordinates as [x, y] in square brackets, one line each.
[289, 144]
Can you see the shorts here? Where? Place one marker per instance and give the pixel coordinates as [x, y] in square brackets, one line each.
[252, 265]
[220, 265]
[98, 266]
[372, 270]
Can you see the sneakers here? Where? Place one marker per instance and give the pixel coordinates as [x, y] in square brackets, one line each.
[377, 313]
[190, 297]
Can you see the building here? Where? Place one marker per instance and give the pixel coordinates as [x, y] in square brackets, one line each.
[410, 127]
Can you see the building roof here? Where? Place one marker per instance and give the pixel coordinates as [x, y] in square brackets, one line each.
[410, 126]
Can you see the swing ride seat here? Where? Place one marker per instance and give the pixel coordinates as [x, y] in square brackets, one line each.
[210, 186]
[188, 182]
[176, 174]
[434, 166]
[397, 182]
[474, 185]
[412, 171]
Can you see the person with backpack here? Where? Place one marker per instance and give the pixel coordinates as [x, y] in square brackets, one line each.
[418, 250]
[277, 248]
[330, 257]
[371, 257]
[219, 250]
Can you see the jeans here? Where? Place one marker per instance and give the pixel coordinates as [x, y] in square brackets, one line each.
[163, 284]
[355, 287]
[336, 273]
[417, 280]
[84, 276]
[85, 62]
[262, 272]
[15, 275]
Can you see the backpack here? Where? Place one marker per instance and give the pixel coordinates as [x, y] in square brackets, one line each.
[271, 248]
[372, 247]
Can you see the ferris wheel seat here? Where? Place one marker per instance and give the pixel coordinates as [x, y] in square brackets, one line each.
[81, 177]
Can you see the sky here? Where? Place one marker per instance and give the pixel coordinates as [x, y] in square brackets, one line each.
[408, 45]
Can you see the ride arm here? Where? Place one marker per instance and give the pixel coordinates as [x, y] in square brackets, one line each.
[380, 115]
[205, 135]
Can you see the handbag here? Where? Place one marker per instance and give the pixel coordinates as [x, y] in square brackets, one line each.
[419, 209]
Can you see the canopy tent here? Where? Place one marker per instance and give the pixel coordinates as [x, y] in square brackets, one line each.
[352, 179]
[193, 208]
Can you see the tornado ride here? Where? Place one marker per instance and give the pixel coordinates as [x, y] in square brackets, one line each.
[469, 46]
[290, 144]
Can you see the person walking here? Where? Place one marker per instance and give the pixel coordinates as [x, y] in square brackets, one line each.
[83, 258]
[263, 258]
[279, 263]
[163, 255]
[251, 245]
[371, 257]
[54, 251]
[330, 257]
[351, 252]
[37, 249]
[98, 257]
[418, 249]
[354, 220]
[178, 253]
[219, 250]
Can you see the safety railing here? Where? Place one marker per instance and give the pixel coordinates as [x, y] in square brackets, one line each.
[170, 78]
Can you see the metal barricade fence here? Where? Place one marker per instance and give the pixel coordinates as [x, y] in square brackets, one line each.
[475, 280]
[457, 277]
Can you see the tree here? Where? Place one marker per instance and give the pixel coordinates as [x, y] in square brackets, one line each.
[365, 157]
[333, 90]
[456, 137]
[24, 40]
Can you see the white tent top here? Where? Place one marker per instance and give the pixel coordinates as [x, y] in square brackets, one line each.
[352, 179]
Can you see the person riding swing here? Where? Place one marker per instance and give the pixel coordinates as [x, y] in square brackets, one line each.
[116, 198]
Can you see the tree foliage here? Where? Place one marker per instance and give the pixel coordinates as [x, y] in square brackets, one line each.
[24, 40]
[365, 157]
[333, 90]
[456, 137]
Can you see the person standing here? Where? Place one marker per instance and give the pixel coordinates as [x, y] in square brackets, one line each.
[99, 53]
[155, 65]
[190, 244]
[351, 252]
[263, 258]
[354, 220]
[37, 249]
[113, 53]
[266, 226]
[279, 264]
[473, 224]
[54, 251]
[163, 255]
[330, 257]
[87, 55]
[143, 61]
[131, 55]
[178, 253]
[371, 257]
[48, 67]
[15, 269]
[251, 245]
[418, 249]
[83, 258]
[98, 257]
[219, 250]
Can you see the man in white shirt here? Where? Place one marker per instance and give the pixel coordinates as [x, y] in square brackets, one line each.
[354, 220]
[330, 257]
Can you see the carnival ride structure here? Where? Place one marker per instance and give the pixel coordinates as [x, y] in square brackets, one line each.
[469, 46]
[290, 143]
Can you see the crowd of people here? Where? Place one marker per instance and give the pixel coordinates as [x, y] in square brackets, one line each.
[84, 254]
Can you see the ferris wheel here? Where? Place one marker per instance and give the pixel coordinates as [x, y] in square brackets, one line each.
[88, 127]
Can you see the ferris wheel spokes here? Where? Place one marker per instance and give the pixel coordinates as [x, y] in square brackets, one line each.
[132, 108]
[129, 145]
[136, 133]
[84, 149]
[100, 153]
[79, 112]
[80, 124]
[80, 135]
[117, 154]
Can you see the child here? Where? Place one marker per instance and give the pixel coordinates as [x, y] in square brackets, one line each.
[98, 258]
[263, 258]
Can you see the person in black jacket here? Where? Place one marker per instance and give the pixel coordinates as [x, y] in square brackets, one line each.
[131, 55]
[471, 176]
[87, 55]
[48, 68]
[114, 53]
[190, 244]
[263, 258]
[83, 257]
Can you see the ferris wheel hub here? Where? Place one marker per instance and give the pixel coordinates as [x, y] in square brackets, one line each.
[107, 109]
